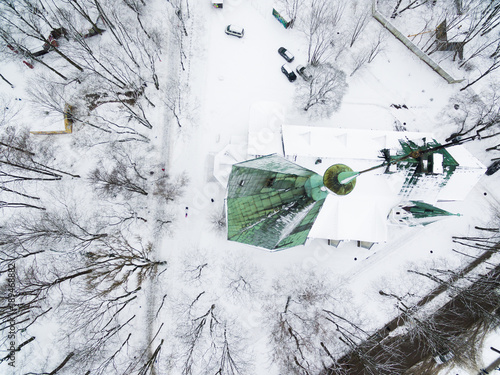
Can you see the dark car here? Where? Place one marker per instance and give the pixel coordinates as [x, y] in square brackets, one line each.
[443, 356]
[288, 72]
[493, 168]
[285, 54]
[304, 72]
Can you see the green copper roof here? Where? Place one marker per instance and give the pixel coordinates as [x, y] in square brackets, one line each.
[408, 146]
[315, 188]
[272, 202]
[412, 166]
[421, 210]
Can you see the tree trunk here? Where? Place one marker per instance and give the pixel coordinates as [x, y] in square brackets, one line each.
[5, 79]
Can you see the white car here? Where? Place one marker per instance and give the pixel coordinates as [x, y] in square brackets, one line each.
[303, 72]
[288, 72]
[235, 31]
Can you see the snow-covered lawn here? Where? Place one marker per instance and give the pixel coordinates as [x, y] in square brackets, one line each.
[225, 78]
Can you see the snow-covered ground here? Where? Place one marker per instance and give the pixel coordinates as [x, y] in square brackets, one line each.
[227, 76]
[237, 73]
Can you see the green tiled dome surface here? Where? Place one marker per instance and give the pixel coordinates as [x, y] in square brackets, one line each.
[272, 202]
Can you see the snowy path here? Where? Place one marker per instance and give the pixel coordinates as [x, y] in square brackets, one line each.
[165, 134]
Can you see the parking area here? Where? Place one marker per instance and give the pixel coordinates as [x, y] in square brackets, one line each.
[242, 71]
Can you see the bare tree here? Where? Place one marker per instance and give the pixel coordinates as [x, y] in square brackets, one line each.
[114, 261]
[19, 50]
[31, 20]
[299, 314]
[81, 270]
[178, 8]
[95, 292]
[103, 311]
[494, 65]
[50, 97]
[320, 28]
[175, 101]
[26, 158]
[361, 19]
[459, 326]
[23, 161]
[410, 4]
[218, 220]
[241, 278]
[291, 10]
[60, 229]
[10, 110]
[179, 35]
[324, 92]
[475, 113]
[33, 286]
[6, 81]
[171, 188]
[360, 59]
[483, 16]
[377, 46]
[210, 342]
[123, 176]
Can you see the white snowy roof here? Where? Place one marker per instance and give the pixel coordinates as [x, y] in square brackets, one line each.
[235, 28]
[360, 149]
[464, 158]
[342, 143]
[224, 160]
[465, 177]
[52, 122]
[460, 184]
[264, 129]
[361, 215]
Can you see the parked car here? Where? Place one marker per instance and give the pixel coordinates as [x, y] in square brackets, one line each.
[493, 168]
[235, 31]
[443, 356]
[285, 54]
[288, 72]
[304, 72]
[218, 3]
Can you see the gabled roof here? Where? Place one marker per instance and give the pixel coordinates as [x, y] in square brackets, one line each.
[415, 213]
[224, 160]
[340, 143]
[361, 215]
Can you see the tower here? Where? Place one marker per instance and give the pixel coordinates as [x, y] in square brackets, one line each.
[272, 202]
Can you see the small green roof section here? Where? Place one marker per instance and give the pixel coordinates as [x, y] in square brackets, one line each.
[421, 210]
[409, 146]
[414, 166]
[272, 202]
